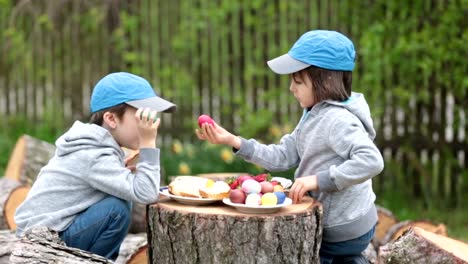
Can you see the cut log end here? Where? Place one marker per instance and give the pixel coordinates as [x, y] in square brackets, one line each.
[386, 221]
[16, 198]
[140, 257]
[420, 246]
[12, 195]
[27, 159]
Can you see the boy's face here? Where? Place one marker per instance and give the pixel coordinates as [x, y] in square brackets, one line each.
[126, 131]
[301, 87]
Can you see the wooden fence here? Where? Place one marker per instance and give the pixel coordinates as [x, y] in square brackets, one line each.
[210, 57]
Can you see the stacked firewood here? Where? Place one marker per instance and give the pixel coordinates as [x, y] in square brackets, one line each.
[40, 244]
[413, 241]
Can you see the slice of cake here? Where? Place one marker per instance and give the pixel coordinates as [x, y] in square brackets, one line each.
[218, 190]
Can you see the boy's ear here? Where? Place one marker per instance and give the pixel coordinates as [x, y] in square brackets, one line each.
[109, 119]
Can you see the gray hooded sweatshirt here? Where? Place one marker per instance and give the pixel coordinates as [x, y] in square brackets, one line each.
[88, 166]
[334, 141]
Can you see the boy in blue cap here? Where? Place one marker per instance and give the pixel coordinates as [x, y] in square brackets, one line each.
[85, 191]
[332, 146]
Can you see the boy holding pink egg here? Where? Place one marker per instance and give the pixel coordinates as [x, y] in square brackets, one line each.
[331, 147]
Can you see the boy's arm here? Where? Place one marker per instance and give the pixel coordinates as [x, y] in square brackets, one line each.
[108, 175]
[273, 157]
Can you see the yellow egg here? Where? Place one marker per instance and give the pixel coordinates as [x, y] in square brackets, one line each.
[269, 199]
[210, 183]
[278, 188]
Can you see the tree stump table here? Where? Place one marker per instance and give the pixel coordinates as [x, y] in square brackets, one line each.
[217, 233]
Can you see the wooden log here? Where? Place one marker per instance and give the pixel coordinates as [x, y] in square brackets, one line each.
[217, 233]
[420, 246]
[27, 159]
[134, 250]
[7, 241]
[386, 221]
[398, 229]
[40, 245]
[370, 254]
[12, 194]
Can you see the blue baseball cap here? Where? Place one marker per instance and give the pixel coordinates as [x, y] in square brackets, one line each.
[123, 87]
[322, 48]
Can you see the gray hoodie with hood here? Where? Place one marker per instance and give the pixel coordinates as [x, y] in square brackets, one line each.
[88, 166]
[334, 141]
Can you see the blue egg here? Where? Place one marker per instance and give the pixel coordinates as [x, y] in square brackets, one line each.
[281, 197]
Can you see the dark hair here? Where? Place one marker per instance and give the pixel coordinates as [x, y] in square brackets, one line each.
[327, 84]
[98, 117]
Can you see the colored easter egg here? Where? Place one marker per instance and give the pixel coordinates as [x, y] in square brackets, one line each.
[251, 186]
[269, 199]
[205, 119]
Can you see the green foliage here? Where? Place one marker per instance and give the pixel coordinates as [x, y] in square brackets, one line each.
[11, 128]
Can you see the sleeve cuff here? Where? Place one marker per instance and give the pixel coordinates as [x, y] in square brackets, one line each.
[325, 182]
[149, 155]
[246, 149]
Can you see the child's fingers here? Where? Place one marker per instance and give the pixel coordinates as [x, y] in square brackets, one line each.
[200, 135]
[156, 122]
[294, 192]
[153, 118]
[139, 113]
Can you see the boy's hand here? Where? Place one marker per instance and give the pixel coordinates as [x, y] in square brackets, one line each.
[217, 135]
[147, 124]
[301, 186]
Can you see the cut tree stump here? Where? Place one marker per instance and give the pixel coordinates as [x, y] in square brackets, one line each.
[134, 250]
[12, 194]
[27, 159]
[7, 241]
[40, 245]
[420, 246]
[217, 233]
[386, 221]
[398, 229]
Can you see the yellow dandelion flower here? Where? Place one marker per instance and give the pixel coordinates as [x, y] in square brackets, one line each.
[227, 155]
[275, 131]
[177, 147]
[287, 128]
[184, 168]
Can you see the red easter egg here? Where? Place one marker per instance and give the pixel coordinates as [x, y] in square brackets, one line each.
[205, 119]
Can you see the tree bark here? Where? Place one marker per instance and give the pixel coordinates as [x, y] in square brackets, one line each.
[41, 245]
[219, 234]
[12, 194]
[420, 246]
[7, 241]
[134, 249]
[398, 229]
[27, 159]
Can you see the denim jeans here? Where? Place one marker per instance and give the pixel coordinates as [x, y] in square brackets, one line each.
[101, 228]
[346, 251]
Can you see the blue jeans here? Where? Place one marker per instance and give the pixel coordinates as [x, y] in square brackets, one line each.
[101, 228]
[346, 251]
